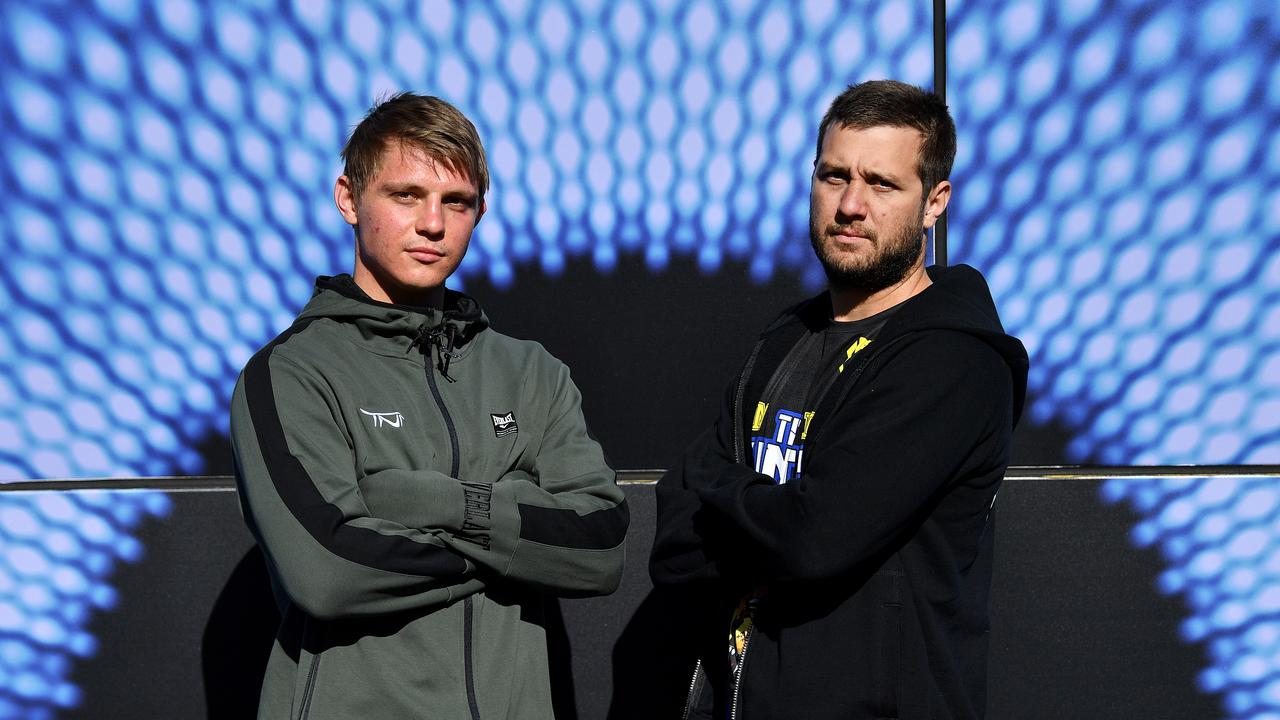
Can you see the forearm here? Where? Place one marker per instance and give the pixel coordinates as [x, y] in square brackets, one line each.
[569, 541]
[687, 545]
[328, 553]
[867, 485]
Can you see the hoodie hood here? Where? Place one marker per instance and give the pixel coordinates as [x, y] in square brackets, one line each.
[958, 299]
[397, 329]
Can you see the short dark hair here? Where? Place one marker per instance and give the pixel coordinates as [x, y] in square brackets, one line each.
[888, 102]
[422, 122]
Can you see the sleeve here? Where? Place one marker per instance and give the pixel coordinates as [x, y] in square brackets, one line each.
[919, 426]
[560, 526]
[685, 537]
[299, 492]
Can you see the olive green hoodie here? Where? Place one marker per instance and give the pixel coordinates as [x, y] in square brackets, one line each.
[419, 484]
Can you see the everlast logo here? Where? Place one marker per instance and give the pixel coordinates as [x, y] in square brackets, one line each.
[475, 513]
[504, 424]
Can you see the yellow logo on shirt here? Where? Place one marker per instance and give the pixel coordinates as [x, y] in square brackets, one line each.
[808, 418]
[758, 420]
[854, 349]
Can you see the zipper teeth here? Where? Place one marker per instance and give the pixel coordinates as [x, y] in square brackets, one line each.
[468, 611]
[693, 686]
[468, 614]
[448, 419]
[737, 679]
[310, 687]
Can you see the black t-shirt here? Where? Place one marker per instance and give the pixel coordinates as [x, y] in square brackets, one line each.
[781, 421]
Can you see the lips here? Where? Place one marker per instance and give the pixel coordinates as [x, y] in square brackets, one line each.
[425, 254]
[848, 233]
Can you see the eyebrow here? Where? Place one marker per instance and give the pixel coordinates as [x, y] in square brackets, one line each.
[881, 175]
[465, 193]
[868, 173]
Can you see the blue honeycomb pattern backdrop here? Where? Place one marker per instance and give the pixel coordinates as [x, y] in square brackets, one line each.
[1118, 173]
[169, 164]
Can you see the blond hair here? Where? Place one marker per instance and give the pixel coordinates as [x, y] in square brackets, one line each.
[422, 122]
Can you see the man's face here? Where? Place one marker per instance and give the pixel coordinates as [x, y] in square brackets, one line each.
[413, 221]
[867, 216]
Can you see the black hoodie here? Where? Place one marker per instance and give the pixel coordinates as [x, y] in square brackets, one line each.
[878, 559]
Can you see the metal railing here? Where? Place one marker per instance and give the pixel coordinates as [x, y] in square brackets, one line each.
[221, 483]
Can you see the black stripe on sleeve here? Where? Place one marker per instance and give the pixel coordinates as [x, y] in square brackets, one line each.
[597, 530]
[324, 521]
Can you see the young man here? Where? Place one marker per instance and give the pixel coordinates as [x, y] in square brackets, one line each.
[418, 482]
[833, 528]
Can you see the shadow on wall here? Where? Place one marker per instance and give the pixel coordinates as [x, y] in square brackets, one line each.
[653, 661]
[237, 640]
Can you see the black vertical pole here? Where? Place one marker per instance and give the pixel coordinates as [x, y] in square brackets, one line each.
[940, 87]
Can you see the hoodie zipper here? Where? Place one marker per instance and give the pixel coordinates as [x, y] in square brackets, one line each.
[468, 610]
[737, 456]
[444, 411]
[694, 687]
[309, 689]
[737, 676]
[468, 619]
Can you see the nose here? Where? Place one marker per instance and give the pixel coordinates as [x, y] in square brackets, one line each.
[853, 204]
[431, 217]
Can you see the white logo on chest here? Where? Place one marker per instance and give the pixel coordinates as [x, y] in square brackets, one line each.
[504, 424]
[393, 419]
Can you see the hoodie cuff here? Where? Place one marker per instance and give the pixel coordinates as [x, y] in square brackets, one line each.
[477, 513]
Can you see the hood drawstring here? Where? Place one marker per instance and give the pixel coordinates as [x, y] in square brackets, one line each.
[442, 336]
[446, 349]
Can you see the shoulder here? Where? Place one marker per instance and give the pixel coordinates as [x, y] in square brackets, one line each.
[308, 341]
[944, 348]
[514, 358]
[956, 344]
[493, 343]
[943, 357]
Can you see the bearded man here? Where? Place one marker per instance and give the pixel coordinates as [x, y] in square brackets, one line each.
[833, 529]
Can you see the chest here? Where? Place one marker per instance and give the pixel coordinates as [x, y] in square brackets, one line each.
[475, 423]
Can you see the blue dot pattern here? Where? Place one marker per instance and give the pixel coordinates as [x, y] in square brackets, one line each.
[1117, 178]
[169, 168]
[169, 165]
[57, 554]
[173, 192]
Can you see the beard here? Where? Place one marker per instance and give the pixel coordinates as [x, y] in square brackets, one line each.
[889, 261]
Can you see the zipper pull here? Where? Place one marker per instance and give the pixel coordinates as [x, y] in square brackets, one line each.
[446, 350]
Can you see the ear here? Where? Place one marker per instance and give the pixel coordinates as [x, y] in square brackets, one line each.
[936, 203]
[480, 211]
[345, 199]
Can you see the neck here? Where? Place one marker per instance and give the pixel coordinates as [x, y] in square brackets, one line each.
[848, 304]
[432, 297]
